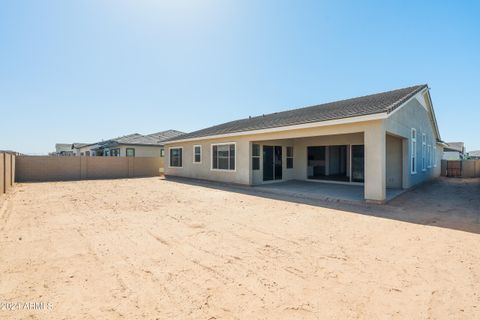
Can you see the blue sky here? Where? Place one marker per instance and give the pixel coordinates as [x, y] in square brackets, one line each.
[82, 71]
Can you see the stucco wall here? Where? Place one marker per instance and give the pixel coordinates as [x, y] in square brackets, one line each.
[415, 115]
[394, 168]
[240, 175]
[35, 168]
[141, 151]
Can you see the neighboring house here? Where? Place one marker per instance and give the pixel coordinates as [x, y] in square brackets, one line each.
[474, 155]
[79, 148]
[63, 149]
[132, 145]
[385, 140]
[454, 151]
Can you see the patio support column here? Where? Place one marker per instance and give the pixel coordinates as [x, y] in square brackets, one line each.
[375, 162]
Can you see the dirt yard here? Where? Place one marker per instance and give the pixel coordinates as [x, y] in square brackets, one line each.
[158, 249]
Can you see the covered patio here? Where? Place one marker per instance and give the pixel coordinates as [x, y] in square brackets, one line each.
[322, 191]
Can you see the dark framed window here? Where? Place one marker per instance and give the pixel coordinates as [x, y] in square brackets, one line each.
[223, 156]
[115, 152]
[162, 152]
[255, 157]
[176, 157]
[289, 157]
[130, 152]
[197, 154]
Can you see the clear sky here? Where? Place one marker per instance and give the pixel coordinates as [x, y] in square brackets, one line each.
[86, 70]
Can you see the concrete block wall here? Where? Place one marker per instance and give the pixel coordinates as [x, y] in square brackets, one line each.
[7, 172]
[465, 168]
[45, 168]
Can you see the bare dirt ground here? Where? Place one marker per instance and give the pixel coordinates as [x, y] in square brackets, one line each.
[159, 249]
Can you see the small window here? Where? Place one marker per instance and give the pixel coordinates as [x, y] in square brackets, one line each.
[162, 152]
[115, 152]
[413, 151]
[130, 152]
[255, 157]
[197, 154]
[87, 153]
[176, 157]
[424, 152]
[223, 156]
[289, 157]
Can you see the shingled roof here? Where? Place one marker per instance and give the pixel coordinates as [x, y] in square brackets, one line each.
[384, 102]
[154, 139]
[165, 135]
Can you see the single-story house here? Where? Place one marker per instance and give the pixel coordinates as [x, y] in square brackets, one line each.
[454, 151]
[379, 141]
[79, 148]
[132, 145]
[63, 149]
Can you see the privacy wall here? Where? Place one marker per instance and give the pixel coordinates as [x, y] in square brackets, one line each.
[461, 168]
[44, 168]
[7, 171]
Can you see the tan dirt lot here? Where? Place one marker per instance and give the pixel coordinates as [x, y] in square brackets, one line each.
[153, 248]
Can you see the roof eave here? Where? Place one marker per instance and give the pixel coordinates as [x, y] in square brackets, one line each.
[363, 118]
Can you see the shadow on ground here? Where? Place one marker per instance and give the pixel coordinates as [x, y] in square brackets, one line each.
[444, 202]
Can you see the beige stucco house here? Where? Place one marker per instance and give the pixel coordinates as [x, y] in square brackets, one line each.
[380, 141]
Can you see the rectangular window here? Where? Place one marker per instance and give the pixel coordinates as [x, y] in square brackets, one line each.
[255, 157]
[223, 156]
[176, 157]
[424, 152]
[289, 157]
[130, 152]
[162, 152]
[115, 152]
[197, 154]
[429, 155]
[413, 151]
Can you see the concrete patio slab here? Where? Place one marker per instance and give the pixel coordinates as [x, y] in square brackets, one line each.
[321, 191]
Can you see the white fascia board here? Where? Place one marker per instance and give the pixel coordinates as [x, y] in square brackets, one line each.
[370, 117]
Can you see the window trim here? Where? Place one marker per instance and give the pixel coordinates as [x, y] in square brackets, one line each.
[222, 144]
[287, 157]
[413, 151]
[201, 154]
[424, 152]
[169, 155]
[429, 154]
[126, 152]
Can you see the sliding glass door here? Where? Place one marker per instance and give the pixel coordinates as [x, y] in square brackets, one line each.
[328, 163]
[272, 163]
[358, 163]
